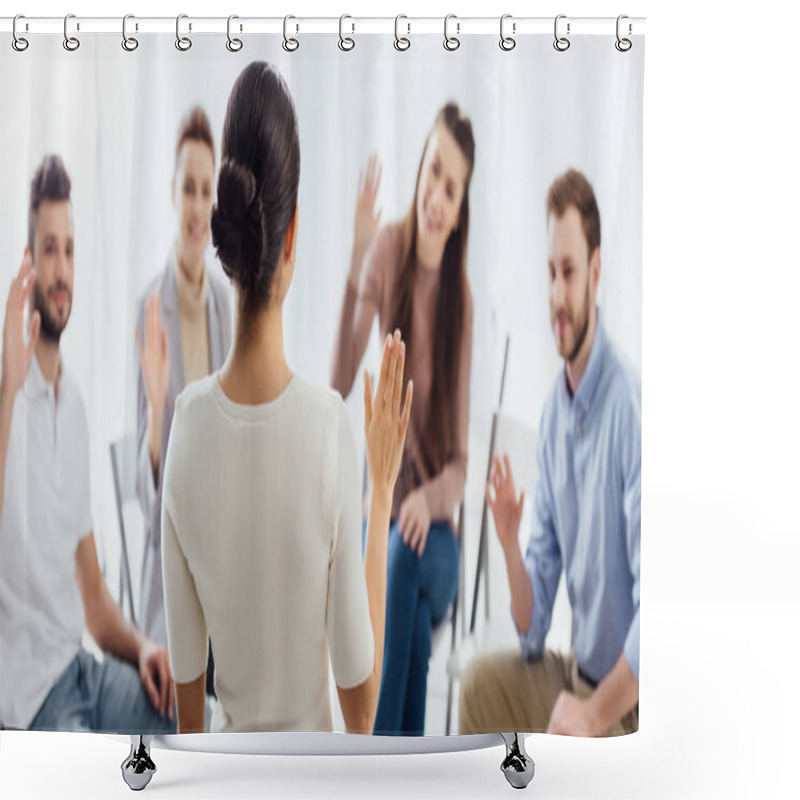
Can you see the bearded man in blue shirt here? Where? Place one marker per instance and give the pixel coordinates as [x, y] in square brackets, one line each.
[587, 517]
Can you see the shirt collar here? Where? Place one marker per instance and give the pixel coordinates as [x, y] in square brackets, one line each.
[36, 386]
[594, 368]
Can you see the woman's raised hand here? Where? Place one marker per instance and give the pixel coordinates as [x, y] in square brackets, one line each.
[367, 220]
[154, 358]
[385, 425]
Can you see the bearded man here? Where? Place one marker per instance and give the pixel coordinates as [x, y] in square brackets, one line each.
[586, 520]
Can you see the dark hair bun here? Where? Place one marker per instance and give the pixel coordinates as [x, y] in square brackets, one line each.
[237, 227]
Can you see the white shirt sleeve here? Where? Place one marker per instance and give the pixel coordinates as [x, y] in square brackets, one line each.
[187, 633]
[348, 622]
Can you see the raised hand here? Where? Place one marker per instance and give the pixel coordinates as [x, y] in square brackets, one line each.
[506, 509]
[154, 359]
[384, 424]
[366, 220]
[17, 354]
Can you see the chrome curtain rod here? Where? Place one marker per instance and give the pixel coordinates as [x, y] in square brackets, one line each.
[350, 25]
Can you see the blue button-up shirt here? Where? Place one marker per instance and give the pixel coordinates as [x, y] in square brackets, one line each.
[587, 515]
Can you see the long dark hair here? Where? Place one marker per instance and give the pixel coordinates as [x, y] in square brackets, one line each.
[439, 441]
[258, 181]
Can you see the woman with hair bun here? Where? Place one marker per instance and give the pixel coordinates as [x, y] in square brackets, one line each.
[183, 332]
[262, 506]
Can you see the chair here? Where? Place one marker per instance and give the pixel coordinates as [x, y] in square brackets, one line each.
[123, 468]
[519, 441]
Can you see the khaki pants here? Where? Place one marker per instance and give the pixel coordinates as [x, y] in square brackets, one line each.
[505, 693]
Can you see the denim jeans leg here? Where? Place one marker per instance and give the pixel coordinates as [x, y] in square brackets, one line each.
[66, 707]
[402, 591]
[438, 581]
[121, 703]
[417, 685]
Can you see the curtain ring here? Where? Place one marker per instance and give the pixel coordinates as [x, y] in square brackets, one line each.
[71, 43]
[183, 43]
[451, 43]
[623, 45]
[561, 43]
[233, 44]
[129, 43]
[290, 44]
[19, 43]
[401, 43]
[507, 42]
[346, 43]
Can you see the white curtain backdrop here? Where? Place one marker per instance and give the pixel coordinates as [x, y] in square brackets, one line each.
[113, 117]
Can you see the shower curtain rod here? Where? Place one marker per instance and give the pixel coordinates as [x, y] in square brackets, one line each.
[350, 25]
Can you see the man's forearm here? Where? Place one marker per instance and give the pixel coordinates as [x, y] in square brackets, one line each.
[112, 632]
[615, 696]
[520, 584]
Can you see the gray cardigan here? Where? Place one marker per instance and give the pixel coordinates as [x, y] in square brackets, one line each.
[152, 621]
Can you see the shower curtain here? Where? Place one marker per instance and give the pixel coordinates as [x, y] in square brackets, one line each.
[551, 346]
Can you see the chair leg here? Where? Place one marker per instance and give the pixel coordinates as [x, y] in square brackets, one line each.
[138, 768]
[517, 766]
[449, 705]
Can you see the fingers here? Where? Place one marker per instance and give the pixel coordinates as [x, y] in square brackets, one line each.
[33, 333]
[405, 419]
[27, 278]
[508, 474]
[149, 687]
[164, 346]
[403, 523]
[367, 401]
[391, 377]
[521, 502]
[397, 394]
[387, 353]
[423, 540]
[162, 685]
[171, 701]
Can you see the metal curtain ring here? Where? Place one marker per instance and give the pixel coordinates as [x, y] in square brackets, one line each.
[71, 43]
[451, 42]
[401, 43]
[129, 43]
[623, 45]
[233, 44]
[290, 44]
[561, 43]
[19, 43]
[346, 43]
[507, 42]
[183, 43]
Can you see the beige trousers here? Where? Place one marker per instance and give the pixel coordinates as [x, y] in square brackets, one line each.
[505, 693]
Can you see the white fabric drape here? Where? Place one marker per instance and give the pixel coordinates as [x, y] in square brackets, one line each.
[113, 117]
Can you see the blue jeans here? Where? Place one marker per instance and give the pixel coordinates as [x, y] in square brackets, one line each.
[105, 696]
[419, 592]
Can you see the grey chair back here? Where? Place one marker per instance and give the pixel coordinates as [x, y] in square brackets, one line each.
[123, 469]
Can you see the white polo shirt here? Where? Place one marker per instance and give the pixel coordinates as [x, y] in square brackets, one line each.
[46, 512]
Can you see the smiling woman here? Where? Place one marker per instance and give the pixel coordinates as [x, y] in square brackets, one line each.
[183, 333]
[412, 274]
